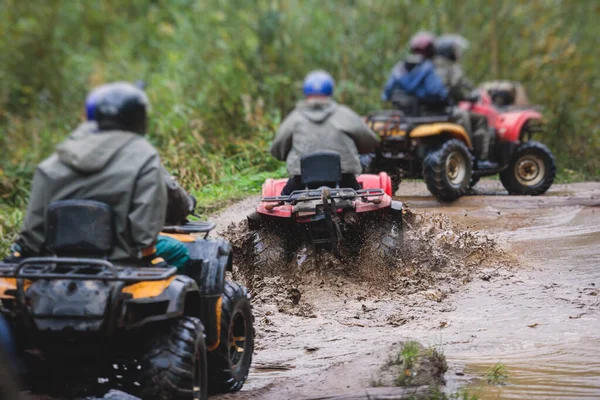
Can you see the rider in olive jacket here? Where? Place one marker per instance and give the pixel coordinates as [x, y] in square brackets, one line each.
[318, 123]
[113, 164]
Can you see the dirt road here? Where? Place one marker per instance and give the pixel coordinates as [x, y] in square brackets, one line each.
[537, 311]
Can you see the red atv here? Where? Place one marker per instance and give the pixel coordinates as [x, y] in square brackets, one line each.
[415, 144]
[325, 215]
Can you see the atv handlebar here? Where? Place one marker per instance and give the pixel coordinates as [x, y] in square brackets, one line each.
[317, 194]
[82, 269]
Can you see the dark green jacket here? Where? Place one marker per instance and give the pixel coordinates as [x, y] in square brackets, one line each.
[115, 167]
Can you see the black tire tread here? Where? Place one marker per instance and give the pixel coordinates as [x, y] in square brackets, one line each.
[269, 250]
[512, 185]
[221, 378]
[168, 360]
[384, 238]
[435, 175]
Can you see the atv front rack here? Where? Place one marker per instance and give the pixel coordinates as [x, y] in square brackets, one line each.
[83, 269]
[317, 194]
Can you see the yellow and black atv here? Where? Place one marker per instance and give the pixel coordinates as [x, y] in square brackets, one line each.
[82, 322]
[418, 143]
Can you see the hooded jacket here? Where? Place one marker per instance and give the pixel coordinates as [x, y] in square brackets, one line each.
[322, 124]
[118, 168]
[453, 77]
[418, 79]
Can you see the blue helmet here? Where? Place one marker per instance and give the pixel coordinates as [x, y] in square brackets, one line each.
[318, 83]
[91, 102]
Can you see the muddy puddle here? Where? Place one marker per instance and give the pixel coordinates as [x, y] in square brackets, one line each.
[531, 305]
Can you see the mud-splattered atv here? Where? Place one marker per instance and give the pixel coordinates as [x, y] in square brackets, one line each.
[441, 152]
[326, 216]
[82, 322]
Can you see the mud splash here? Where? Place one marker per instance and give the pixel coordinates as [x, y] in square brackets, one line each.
[437, 254]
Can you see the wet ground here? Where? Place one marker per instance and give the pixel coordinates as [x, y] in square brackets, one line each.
[537, 310]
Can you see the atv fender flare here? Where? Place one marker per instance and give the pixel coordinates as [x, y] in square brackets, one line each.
[174, 301]
[217, 258]
[510, 125]
[439, 128]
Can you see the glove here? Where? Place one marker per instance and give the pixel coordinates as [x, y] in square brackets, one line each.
[16, 254]
[158, 262]
[193, 203]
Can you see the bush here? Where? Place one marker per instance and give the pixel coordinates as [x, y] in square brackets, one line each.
[221, 73]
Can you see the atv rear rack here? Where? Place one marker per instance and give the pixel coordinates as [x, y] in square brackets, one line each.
[317, 194]
[396, 116]
[83, 269]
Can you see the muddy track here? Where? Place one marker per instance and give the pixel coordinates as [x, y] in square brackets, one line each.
[488, 278]
[531, 296]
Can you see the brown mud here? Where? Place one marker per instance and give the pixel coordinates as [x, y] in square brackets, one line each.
[495, 278]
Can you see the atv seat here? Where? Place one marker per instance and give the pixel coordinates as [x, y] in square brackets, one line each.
[323, 168]
[80, 228]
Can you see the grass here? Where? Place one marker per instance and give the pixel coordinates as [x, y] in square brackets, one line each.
[496, 375]
[214, 197]
[409, 353]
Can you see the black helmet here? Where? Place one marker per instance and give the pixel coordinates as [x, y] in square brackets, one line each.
[451, 46]
[120, 106]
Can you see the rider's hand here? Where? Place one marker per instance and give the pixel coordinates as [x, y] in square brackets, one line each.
[193, 203]
[16, 254]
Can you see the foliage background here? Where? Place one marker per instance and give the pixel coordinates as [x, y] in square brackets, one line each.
[221, 73]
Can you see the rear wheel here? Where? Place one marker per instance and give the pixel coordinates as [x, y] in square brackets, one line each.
[383, 239]
[269, 251]
[531, 170]
[173, 361]
[230, 361]
[447, 171]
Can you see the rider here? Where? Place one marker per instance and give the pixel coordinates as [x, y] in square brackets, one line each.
[319, 123]
[448, 50]
[108, 161]
[416, 76]
[180, 204]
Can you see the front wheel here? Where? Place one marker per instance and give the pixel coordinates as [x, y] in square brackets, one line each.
[531, 170]
[230, 361]
[447, 171]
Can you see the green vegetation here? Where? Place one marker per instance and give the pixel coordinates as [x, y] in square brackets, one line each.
[496, 375]
[222, 73]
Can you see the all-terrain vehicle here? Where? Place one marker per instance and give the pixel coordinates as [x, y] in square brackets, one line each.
[416, 144]
[326, 216]
[82, 321]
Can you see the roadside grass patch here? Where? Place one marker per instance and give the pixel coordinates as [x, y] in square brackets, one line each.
[496, 375]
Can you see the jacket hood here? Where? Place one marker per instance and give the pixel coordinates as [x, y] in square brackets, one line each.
[317, 110]
[88, 150]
